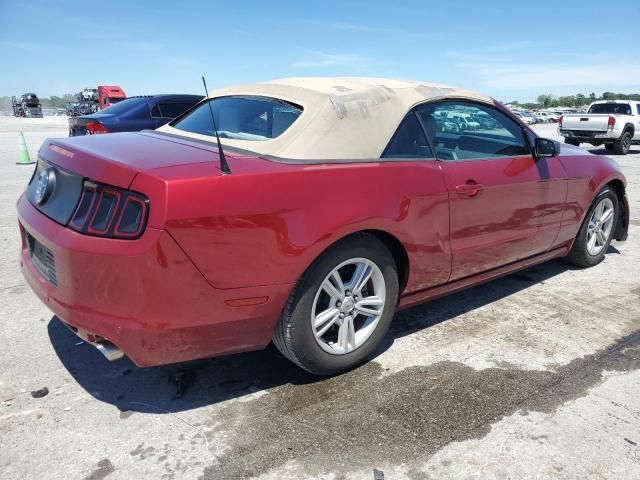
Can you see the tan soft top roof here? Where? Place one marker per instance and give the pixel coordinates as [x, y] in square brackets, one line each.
[343, 117]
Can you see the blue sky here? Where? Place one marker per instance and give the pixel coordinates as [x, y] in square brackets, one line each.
[508, 49]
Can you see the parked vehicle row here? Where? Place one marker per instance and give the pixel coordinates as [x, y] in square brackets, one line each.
[205, 238]
[531, 117]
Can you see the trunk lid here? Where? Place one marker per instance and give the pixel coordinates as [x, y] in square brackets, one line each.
[115, 159]
[592, 122]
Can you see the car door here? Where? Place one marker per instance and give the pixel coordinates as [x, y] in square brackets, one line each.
[504, 204]
[427, 226]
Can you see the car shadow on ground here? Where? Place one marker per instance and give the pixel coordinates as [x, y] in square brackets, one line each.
[191, 385]
[603, 151]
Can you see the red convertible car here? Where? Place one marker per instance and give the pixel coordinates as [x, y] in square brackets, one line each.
[327, 204]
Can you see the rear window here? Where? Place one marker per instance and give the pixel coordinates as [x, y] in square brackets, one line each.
[614, 108]
[174, 109]
[241, 117]
[125, 105]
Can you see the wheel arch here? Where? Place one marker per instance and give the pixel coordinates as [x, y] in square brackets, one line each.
[390, 241]
[622, 224]
[629, 127]
[399, 253]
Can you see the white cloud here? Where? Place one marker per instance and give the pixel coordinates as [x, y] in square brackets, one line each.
[503, 73]
[608, 76]
[21, 45]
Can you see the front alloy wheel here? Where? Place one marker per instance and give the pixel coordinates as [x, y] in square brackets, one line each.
[600, 226]
[596, 231]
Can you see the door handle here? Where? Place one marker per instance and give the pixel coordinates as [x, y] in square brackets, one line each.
[470, 189]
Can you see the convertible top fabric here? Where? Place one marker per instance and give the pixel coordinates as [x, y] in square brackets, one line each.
[343, 118]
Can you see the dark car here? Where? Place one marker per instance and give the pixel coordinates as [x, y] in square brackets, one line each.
[133, 114]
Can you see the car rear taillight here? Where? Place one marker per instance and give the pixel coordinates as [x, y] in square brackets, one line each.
[106, 211]
[94, 128]
[611, 122]
[560, 121]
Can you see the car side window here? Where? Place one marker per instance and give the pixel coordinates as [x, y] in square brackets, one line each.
[638, 107]
[408, 141]
[174, 109]
[460, 131]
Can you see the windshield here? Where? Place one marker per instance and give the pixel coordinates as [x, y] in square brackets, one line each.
[615, 108]
[124, 105]
[241, 117]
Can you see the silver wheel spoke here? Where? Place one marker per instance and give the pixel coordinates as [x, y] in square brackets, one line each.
[370, 306]
[334, 286]
[346, 334]
[606, 215]
[600, 237]
[361, 276]
[329, 318]
[328, 314]
[591, 243]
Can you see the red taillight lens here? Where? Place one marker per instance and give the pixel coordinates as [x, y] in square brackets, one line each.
[105, 211]
[560, 121]
[611, 122]
[94, 128]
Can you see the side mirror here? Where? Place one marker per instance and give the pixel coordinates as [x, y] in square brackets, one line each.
[546, 148]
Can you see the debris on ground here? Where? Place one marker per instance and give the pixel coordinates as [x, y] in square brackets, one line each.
[183, 379]
[43, 392]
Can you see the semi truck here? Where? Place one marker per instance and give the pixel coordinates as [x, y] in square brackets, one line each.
[27, 106]
[91, 100]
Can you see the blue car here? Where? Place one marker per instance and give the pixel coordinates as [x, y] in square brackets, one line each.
[133, 114]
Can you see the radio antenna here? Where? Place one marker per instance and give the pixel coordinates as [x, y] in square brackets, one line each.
[224, 166]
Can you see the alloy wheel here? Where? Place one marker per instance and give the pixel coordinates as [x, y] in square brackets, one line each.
[348, 306]
[600, 226]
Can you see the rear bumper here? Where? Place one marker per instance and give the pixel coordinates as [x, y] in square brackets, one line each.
[587, 136]
[145, 296]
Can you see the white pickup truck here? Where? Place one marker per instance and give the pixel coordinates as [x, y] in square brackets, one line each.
[612, 123]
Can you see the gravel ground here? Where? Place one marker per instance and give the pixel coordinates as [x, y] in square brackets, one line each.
[532, 376]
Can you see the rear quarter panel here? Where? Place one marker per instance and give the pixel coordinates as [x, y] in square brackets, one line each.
[266, 222]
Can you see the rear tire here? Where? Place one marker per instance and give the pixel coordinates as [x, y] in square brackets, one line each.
[298, 334]
[588, 247]
[623, 144]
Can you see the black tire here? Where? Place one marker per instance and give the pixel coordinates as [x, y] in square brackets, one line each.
[293, 334]
[579, 254]
[572, 141]
[623, 144]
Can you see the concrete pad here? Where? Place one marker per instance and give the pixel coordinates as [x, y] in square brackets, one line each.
[531, 376]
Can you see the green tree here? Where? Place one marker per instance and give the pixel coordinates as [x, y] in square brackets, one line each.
[546, 100]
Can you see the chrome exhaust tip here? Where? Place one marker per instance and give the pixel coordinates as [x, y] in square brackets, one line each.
[109, 350]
